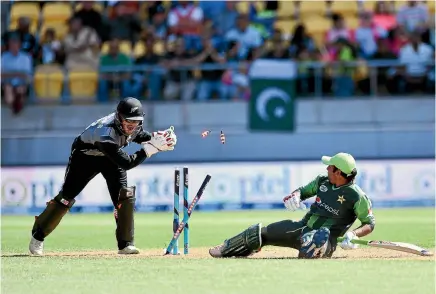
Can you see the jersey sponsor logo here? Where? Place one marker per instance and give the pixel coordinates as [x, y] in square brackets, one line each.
[323, 188]
[326, 207]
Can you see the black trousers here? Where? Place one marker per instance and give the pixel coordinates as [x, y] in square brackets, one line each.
[82, 168]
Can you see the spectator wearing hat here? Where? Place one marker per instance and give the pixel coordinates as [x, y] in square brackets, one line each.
[16, 72]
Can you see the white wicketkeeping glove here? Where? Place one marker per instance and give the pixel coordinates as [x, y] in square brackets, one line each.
[293, 202]
[346, 243]
[160, 141]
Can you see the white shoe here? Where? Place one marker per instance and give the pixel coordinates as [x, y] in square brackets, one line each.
[129, 250]
[36, 247]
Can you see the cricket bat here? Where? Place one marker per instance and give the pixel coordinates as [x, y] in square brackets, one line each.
[399, 246]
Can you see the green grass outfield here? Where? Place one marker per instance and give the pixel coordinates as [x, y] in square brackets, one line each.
[362, 271]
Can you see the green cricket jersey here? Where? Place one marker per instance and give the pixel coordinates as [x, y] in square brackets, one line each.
[336, 208]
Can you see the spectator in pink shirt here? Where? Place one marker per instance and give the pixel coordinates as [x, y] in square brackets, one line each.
[383, 16]
[397, 39]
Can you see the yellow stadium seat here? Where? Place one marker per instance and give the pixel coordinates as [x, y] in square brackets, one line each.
[61, 30]
[286, 8]
[318, 38]
[369, 5]
[82, 83]
[97, 7]
[159, 48]
[139, 49]
[431, 6]
[125, 47]
[318, 24]
[287, 26]
[345, 7]
[48, 82]
[167, 3]
[361, 72]
[352, 22]
[259, 5]
[243, 7]
[56, 12]
[312, 8]
[30, 10]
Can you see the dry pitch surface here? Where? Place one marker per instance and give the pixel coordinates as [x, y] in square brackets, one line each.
[266, 253]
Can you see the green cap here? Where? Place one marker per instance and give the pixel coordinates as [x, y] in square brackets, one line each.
[343, 161]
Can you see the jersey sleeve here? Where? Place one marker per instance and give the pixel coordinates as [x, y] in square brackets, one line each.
[120, 157]
[142, 137]
[363, 210]
[309, 189]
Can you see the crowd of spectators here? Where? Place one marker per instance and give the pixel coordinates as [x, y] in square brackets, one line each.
[177, 35]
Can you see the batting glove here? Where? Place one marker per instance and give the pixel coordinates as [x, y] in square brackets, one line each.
[346, 243]
[293, 202]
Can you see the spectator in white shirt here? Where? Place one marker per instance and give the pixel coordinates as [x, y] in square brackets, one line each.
[415, 59]
[413, 16]
[367, 34]
[249, 38]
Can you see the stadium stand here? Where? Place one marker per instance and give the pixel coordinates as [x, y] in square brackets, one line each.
[315, 33]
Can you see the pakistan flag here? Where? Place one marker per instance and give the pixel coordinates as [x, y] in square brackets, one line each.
[272, 95]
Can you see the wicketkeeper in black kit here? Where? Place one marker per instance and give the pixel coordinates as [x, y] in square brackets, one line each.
[99, 150]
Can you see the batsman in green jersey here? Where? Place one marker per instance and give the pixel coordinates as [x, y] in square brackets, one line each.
[339, 202]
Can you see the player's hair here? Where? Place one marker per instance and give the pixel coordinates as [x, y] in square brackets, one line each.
[350, 177]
